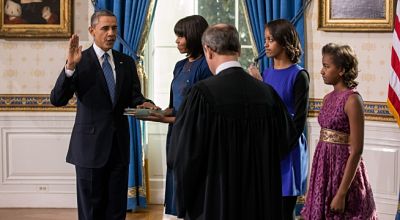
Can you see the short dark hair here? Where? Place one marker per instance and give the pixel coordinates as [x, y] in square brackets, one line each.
[344, 57]
[286, 35]
[222, 39]
[192, 28]
[94, 19]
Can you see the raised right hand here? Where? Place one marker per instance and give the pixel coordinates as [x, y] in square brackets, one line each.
[74, 52]
[253, 71]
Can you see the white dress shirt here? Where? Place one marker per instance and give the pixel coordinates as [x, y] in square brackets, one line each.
[227, 65]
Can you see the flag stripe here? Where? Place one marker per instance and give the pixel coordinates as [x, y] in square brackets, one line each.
[395, 63]
[393, 104]
[397, 25]
[396, 43]
[395, 83]
[393, 100]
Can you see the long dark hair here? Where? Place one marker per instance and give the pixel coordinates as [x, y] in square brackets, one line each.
[192, 28]
[286, 35]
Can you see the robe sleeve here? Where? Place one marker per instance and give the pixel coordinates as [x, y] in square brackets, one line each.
[188, 149]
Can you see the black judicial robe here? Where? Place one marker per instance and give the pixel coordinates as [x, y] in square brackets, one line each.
[228, 138]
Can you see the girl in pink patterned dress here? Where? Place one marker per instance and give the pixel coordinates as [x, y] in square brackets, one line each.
[339, 187]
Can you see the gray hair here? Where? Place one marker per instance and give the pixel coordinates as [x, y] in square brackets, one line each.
[97, 14]
[222, 39]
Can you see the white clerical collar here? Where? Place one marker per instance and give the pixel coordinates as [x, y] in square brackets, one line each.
[227, 65]
[100, 52]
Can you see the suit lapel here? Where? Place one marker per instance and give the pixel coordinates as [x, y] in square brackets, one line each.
[119, 72]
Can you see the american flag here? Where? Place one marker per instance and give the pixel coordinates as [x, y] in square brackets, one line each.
[393, 100]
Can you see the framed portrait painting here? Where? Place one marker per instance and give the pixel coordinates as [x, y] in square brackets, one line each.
[35, 18]
[356, 15]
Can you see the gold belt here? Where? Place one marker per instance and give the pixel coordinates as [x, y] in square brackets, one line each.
[332, 136]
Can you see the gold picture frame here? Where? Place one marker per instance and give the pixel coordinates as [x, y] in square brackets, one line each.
[356, 16]
[35, 18]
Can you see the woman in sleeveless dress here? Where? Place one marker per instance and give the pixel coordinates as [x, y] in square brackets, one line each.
[291, 82]
[339, 187]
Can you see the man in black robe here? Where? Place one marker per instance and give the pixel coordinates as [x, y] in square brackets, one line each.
[229, 136]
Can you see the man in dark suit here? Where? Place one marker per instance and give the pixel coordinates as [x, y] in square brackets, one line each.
[228, 138]
[105, 82]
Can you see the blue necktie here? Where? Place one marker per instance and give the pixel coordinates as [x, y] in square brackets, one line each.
[109, 75]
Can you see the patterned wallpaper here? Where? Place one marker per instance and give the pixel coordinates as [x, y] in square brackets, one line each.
[32, 66]
[373, 51]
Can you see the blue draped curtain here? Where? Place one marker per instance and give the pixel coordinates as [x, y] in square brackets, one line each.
[134, 18]
[260, 12]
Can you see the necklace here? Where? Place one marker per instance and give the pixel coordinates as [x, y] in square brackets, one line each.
[188, 64]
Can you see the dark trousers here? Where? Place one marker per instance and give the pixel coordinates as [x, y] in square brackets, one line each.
[102, 192]
[288, 207]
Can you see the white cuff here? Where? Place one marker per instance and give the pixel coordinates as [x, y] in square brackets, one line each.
[68, 72]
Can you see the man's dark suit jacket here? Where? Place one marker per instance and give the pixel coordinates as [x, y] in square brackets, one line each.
[97, 120]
